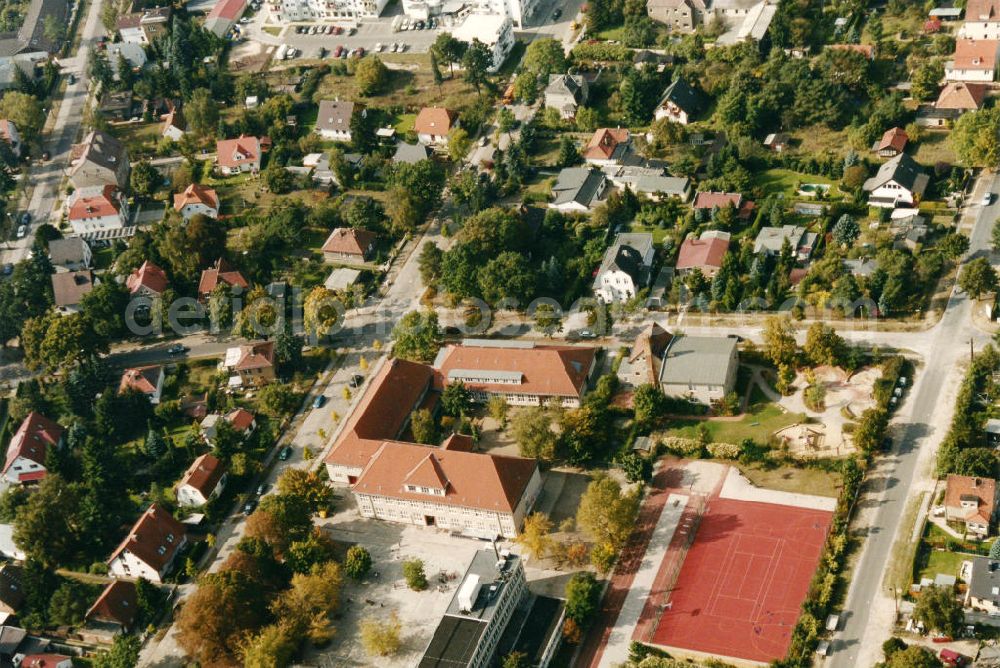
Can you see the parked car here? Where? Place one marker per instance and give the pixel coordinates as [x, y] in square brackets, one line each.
[319, 401]
[285, 453]
[556, 14]
[72, 78]
[22, 231]
[402, 47]
[249, 507]
[952, 658]
[328, 30]
[378, 47]
[337, 30]
[987, 199]
[8, 269]
[339, 50]
[356, 380]
[262, 489]
[176, 349]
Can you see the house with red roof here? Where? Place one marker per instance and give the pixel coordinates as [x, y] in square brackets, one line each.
[982, 20]
[974, 60]
[240, 419]
[704, 253]
[46, 660]
[203, 481]
[250, 364]
[349, 244]
[434, 124]
[147, 281]
[450, 487]
[146, 380]
[236, 156]
[149, 549]
[29, 446]
[9, 134]
[224, 15]
[892, 143]
[97, 208]
[197, 199]
[112, 614]
[607, 146]
[711, 200]
[972, 501]
[221, 273]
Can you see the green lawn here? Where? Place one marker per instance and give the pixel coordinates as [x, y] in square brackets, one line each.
[793, 479]
[759, 424]
[659, 233]
[405, 123]
[937, 561]
[786, 182]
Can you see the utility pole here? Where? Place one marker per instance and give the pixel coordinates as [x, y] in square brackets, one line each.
[972, 354]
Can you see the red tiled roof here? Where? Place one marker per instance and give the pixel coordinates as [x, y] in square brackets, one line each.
[434, 121]
[472, 480]
[702, 253]
[204, 474]
[32, 439]
[982, 10]
[142, 378]
[147, 276]
[349, 241]
[458, 442]
[227, 9]
[96, 206]
[604, 142]
[382, 411]
[117, 603]
[154, 539]
[982, 490]
[45, 660]
[546, 370]
[710, 200]
[5, 127]
[248, 147]
[196, 194]
[895, 139]
[975, 54]
[69, 287]
[259, 355]
[962, 96]
[221, 272]
[240, 418]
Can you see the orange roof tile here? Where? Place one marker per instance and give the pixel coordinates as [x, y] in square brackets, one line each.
[154, 538]
[147, 276]
[434, 121]
[204, 474]
[32, 439]
[143, 378]
[603, 143]
[228, 149]
[118, 603]
[962, 96]
[196, 194]
[96, 206]
[220, 273]
[981, 490]
[349, 241]
[975, 54]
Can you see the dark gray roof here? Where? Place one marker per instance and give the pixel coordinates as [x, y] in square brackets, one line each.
[410, 153]
[577, 184]
[335, 115]
[902, 169]
[101, 149]
[684, 96]
[699, 360]
[67, 251]
[566, 84]
[985, 581]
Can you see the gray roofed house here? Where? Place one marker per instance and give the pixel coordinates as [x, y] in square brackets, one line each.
[566, 92]
[651, 181]
[679, 15]
[900, 181]
[69, 287]
[864, 266]
[578, 189]
[699, 368]
[72, 253]
[410, 153]
[334, 119]
[626, 267]
[31, 35]
[99, 160]
[680, 103]
[770, 240]
[984, 585]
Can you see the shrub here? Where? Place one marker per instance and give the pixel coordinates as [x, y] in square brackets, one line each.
[413, 571]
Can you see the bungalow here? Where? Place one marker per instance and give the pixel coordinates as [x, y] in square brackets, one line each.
[971, 500]
[777, 142]
[45, 660]
[578, 190]
[250, 364]
[334, 120]
[704, 253]
[974, 60]
[113, 613]
[607, 146]
[236, 156]
[707, 201]
[69, 288]
[567, 93]
[699, 368]
[520, 372]
[240, 420]
[202, 482]
[642, 366]
[349, 244]
[147, 281]
[150, 548]
[434, 124]
[771, 240]
[94, 209]
[899, 181]
[147, 380]
[649, 181]
[9, 134]
[680, 103]
[220, 274]
[70, 254]
[626, 267]
[29, 447]
[892, 143]
[196, 200]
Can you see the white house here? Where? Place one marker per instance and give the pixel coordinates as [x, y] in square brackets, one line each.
[29, 446]
[146, 380]
[96, 209]
[195, 200]
[566, 92]
[982, 20]
[899, 182]
[578, 190]
[150, 548]
[496, 31]
[334, 120]
[974, 60]
[235, 156]
[434, 124]
[680, 103]
[202, 482]
[699, 368]
[286, 11]
[626, 268]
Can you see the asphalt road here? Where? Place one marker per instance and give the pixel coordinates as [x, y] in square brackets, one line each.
[924, 422]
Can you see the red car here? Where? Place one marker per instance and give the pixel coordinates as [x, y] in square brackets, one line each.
[952, 658]
[336, 52]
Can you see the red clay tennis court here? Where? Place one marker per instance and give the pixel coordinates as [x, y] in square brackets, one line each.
[744, 579]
